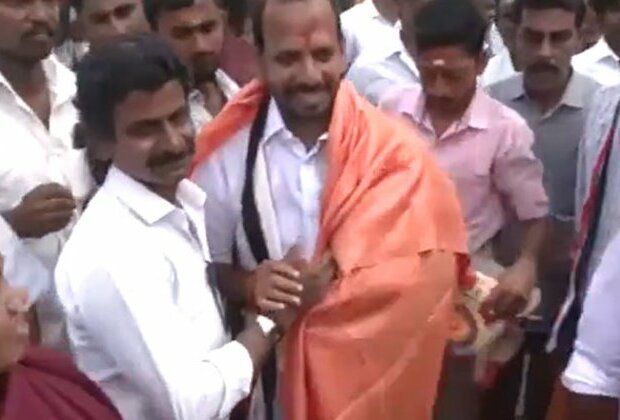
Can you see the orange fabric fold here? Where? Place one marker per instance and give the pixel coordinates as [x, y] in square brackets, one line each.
[373, 348]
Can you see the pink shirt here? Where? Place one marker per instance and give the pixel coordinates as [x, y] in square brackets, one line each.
[488, 154]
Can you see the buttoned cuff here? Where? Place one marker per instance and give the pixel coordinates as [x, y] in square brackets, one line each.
[235, 364]
[582, 376]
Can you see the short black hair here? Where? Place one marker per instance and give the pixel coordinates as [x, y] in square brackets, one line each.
[578, 7]
[440, 23]
[110, 72]
[154, 8]
[601, 7]
[258, 11]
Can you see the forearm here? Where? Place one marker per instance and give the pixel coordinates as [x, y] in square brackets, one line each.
[534, 233]
[257, 344]
[233, 282]
[591, 407]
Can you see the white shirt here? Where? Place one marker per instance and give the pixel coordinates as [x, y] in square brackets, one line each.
[600, 63]
[495, 42]
[21, 268]
[296, 179]
[143, 321]
[499, 68]
[199, 113]
[33, 155]
[374, 78]
[367, 33]
[594, 368]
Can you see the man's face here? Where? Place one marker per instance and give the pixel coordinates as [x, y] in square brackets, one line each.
[154, 136]
[505, 23]
[546, 41]
[610, 25]
[449, 77]
[302, 61]
[487, 7]
[197, 34]
[590, 30]
[101, 20]
[27, 28]
[13, 323]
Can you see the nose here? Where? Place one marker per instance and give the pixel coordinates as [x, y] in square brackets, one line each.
[40, 11]
[173, 139]
[437, 87]
[119, 26]
[545, 50]
[310, 72]
[201, 43]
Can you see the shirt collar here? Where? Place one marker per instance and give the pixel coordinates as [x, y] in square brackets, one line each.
[224, 82]
[573, 94]
[61, 82]
[477, 115]
[602, 51]
[147, 205]
[275, 124]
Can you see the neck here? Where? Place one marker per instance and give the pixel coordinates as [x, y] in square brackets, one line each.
[167, 193]
[613, 45]
[387, 9]
[546, 99]
[24, 76]
[308, 130]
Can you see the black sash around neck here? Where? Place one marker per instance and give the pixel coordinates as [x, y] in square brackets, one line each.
[249, 210]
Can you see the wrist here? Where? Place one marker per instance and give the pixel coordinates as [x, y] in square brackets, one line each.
[250, 286]
[269, 328]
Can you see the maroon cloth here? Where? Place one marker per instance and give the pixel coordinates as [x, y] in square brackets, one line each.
[238, 59]
[47, 385]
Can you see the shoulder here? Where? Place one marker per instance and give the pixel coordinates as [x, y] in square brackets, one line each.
[588, 86]
[398, 97]
[225, 163]
[502, 116]
[503, 89]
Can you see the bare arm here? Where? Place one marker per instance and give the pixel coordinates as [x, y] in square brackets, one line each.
[591, 407]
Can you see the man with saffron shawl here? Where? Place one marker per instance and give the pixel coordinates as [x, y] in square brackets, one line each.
[300, 170]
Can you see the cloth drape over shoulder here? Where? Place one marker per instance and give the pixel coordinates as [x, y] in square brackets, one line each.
[373, 348]
[46, 385]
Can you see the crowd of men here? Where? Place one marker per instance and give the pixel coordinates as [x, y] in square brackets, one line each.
[280, 209]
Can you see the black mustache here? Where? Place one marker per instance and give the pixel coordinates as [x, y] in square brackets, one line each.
[543, 67]
[39, 29]
[165, 159]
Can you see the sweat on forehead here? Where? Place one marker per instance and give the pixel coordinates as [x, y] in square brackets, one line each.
[262, 7]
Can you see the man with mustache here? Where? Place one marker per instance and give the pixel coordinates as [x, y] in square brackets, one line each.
[43, 180]
[145, 318]
[195, 30]
[485, 147]
[554, 99]
[299, 165]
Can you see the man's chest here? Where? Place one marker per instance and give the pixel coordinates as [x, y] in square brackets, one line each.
[33, 154]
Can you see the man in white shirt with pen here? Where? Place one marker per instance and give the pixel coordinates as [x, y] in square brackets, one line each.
[43, 180]
[144, 314]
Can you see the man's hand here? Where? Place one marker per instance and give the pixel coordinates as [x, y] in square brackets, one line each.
[317, 279]
[276, 284]
[510, 296]
[47, 208]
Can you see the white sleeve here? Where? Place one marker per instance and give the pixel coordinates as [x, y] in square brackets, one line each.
[154, 344]
[22, 269]
[220, 213]
[594, 368]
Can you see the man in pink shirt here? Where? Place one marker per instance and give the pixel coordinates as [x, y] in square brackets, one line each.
[483, 145]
